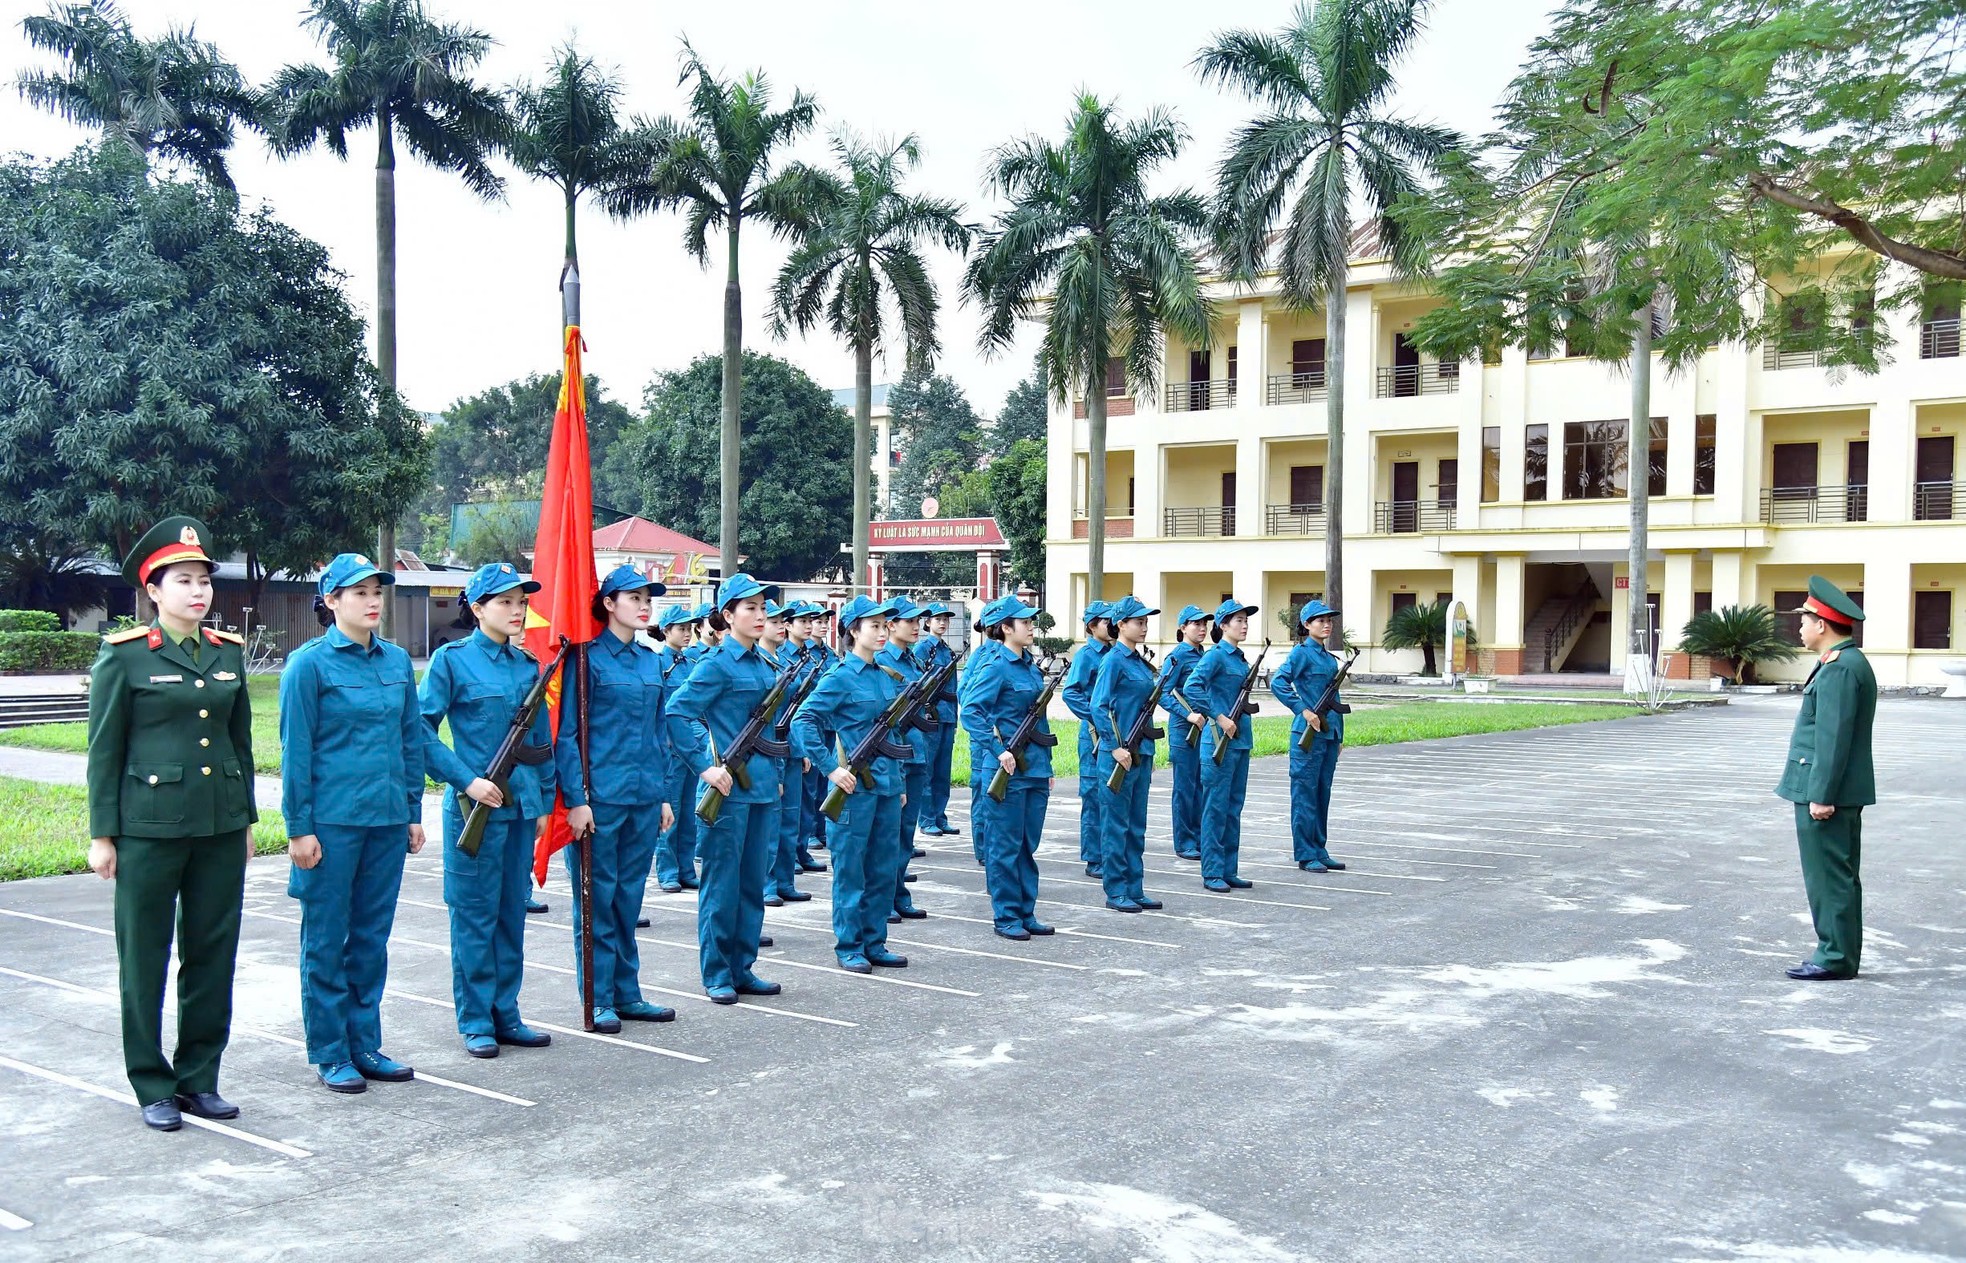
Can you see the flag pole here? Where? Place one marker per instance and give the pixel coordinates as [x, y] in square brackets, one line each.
[570, 318]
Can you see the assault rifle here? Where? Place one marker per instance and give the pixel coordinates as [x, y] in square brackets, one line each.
[751, 739]
[1243, 707]
[1140, 732]
[512, 751]
[879, 741]
[1026, 736]
[783, 731]
[1327, 702]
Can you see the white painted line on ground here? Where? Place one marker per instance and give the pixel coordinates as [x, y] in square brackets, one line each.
[1110, 938]
[124, 1098]
[14, 1223]
[1170, 916]
[69, 925]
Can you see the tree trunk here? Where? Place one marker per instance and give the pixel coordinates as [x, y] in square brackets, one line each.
[1428, 665]
[1095, 485]
[863, 443]
[1334, 452]
[385, 325]
[255, 588]
[733, 428]
[1638, 640]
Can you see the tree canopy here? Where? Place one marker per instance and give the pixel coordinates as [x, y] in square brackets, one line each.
[1025, 413]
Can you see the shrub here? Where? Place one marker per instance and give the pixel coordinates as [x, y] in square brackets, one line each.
[49, 651]
[29, 621]
[1422, 627]
[1742, 635]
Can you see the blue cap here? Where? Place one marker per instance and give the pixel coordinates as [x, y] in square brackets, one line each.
[905, 607]
[1314, 609]
[349, 569]
[493, 578]
[864, 607]
[703, 611]
[774, 610]
[737, 588]
[1005, 608]
[673, 614]
[1230, 608]
[1098, 609]
[935, 609]
[1129, 606]
[625, 578]
[1192, 614]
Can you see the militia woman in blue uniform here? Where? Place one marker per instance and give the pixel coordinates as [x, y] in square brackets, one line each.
[1212, 690]
[675, 850]
[846, 705]
[904, 631]
[805, 790]
[170, 820]
[622, 792]
[351, 789]
[705, 716]
[1077, 693]
[1298, 684]
[1000, 685]
[934, 652]
[478, 684]
[780, 877]
[1120, 690]
[1185, 759]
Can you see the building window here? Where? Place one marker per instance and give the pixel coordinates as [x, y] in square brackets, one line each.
[1931, 620]
[1856, 481]
[1129, 497]
[1306, 485]
[1405, 601]
[1115, 377]
[1232, 371]
[1491, 463]
[1703, 445]
[1307, 362]
[1703, 602]
[1594, 460]
[1449, 488]
[1655, 463]
[1536, 462]
[1790, 625]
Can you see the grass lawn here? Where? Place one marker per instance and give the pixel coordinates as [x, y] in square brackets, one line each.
[74, 738]
[44, 829]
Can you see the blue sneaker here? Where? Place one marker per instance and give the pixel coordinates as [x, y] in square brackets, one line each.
[382, 1068]
[481, 1046]
[855, 963]
[643, 1011]
[721, 995]
[341, 1076]
[519, 1035]
[606, 1021]
[886, 959]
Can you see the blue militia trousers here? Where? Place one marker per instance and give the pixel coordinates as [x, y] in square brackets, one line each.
[1123, 816]
[1092, 832]
[1008, 834]
[935, 812]
[487, 898]
[730, 905]
[1186, 765]
[347, 906]
[914, 803]
[1310, 798]
[1223, 786]
[786, 841]
[675, 850]
[624, 847]
[864, 877]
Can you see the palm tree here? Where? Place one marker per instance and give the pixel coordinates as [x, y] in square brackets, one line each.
[1324, 82]
[1108, 268]
[1422, 627]
[565, 130]
[717, 166]
[1739, 635]
[861, 249]
[174, 96]
[400, 71]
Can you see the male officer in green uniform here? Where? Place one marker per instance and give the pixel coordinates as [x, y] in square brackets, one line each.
[1830, 780]
[170, 814]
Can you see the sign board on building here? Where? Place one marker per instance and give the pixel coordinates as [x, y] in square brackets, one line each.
[935, 534]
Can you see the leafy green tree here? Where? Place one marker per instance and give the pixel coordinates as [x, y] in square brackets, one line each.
[1024, 414]
[940, 436]
[1326, 142]
[861, 254]
[1017, 498]
[400, 71]
[798, 493]
[1109, 269]
[1742, 636]
[718, 166]
[501, 532]
[167, 355]
[176, 96]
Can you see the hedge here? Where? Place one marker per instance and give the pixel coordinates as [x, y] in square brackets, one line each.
[29, 651]
[28, 621]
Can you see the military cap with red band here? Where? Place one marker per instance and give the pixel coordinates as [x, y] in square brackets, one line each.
[1830, 603]
[172, 540]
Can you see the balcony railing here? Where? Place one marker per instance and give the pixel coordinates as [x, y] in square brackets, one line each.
[1402, 380]
[1293, 519]
[1403, 517]
[1938, 340]
[1200, 396]
[1938, 501]
[1775, 358]
[1297, 387]
[1792, 505]
[1211, 520]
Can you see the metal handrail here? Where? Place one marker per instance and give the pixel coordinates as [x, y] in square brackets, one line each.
[1293, 519]
[1199, 396]
[1788, 505]
[1581, 606]
[1206, 520]
[1774, 358]
[1298, 387]
[1403, 517]
[1938, 501]
[1938, 339]
[1402, 380]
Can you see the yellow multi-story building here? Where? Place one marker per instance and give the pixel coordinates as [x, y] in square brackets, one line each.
[1503, 486]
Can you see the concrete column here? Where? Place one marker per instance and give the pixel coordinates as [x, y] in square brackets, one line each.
[1506, 640]
[1149, 487]
[1252, 353]
[1467, 592]
[1887, 616]
[1361, 355]
[1733, 583]
[1249, 484]
[1737, 439]
[986, 576]
[1893, 442]
[876, 576]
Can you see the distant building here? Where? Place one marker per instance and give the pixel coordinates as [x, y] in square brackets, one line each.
[886, 453]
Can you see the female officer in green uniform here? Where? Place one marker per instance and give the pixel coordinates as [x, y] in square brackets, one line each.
[171, 813]
[351, 782]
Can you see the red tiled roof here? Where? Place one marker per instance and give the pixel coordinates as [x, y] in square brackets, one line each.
[639, 535]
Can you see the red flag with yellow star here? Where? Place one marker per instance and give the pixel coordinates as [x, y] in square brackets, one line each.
[563, 561]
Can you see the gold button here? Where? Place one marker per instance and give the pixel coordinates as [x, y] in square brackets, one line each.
[153, 778]
[204, 741]
[199, 683]
[204, 771]
[204, 714]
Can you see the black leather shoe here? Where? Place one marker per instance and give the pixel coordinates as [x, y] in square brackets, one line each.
[1333, 865]
[764, 940]
[894, 918]
[757, 986]
[535, 906]
[1151, 905]
[1039, 927]
[919, 854]
[1018, 935]
[1810, 971]
[206, 1105]
[642, 924]
[523, 1036]
[912, 913]
[1092, 870]
[796, 896]
[950, 831]
[1239, 883]
[162, 1116]
[911, 878]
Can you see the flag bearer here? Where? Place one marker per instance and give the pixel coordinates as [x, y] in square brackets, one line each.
[1124, 682]
[1000, 686]
[1185, 758]
[1298, 684]
[1078, 699]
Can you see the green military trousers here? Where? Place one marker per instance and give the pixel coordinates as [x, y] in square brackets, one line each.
[1831, 850]
[190, 889]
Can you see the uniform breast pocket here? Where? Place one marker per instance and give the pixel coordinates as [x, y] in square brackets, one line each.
[478, 700]
[153, 793]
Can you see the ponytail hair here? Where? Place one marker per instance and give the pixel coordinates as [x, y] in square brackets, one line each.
[466, 616]
[599, 609]
[322, 614]
[718, 621]
[1215, 633]
[994, 631]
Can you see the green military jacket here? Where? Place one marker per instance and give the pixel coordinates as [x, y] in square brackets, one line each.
[170, 739]
[1829, 752]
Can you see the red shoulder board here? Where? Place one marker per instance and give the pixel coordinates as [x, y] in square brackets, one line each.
[1831, 656]
[156, 637]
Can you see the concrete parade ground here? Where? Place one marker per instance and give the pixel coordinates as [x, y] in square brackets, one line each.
[1542, 1017]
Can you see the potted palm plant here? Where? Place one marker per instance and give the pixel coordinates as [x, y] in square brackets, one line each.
[1739, 636]
[1423, 627]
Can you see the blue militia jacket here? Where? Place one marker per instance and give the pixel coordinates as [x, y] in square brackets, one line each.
[847, 703]
[1213, 688]
[628, 750]
[998, 690]
[351, 735]
[1303, 676]
[1077, 692]
[897, 657]
[1175, 671]
[706, 714]
[933, 652]
[478, 684]
[1121, 689]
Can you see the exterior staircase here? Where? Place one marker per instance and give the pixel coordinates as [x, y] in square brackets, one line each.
[1554, 630]
[20, 710]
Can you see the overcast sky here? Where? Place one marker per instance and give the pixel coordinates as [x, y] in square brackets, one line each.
[476, 281]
